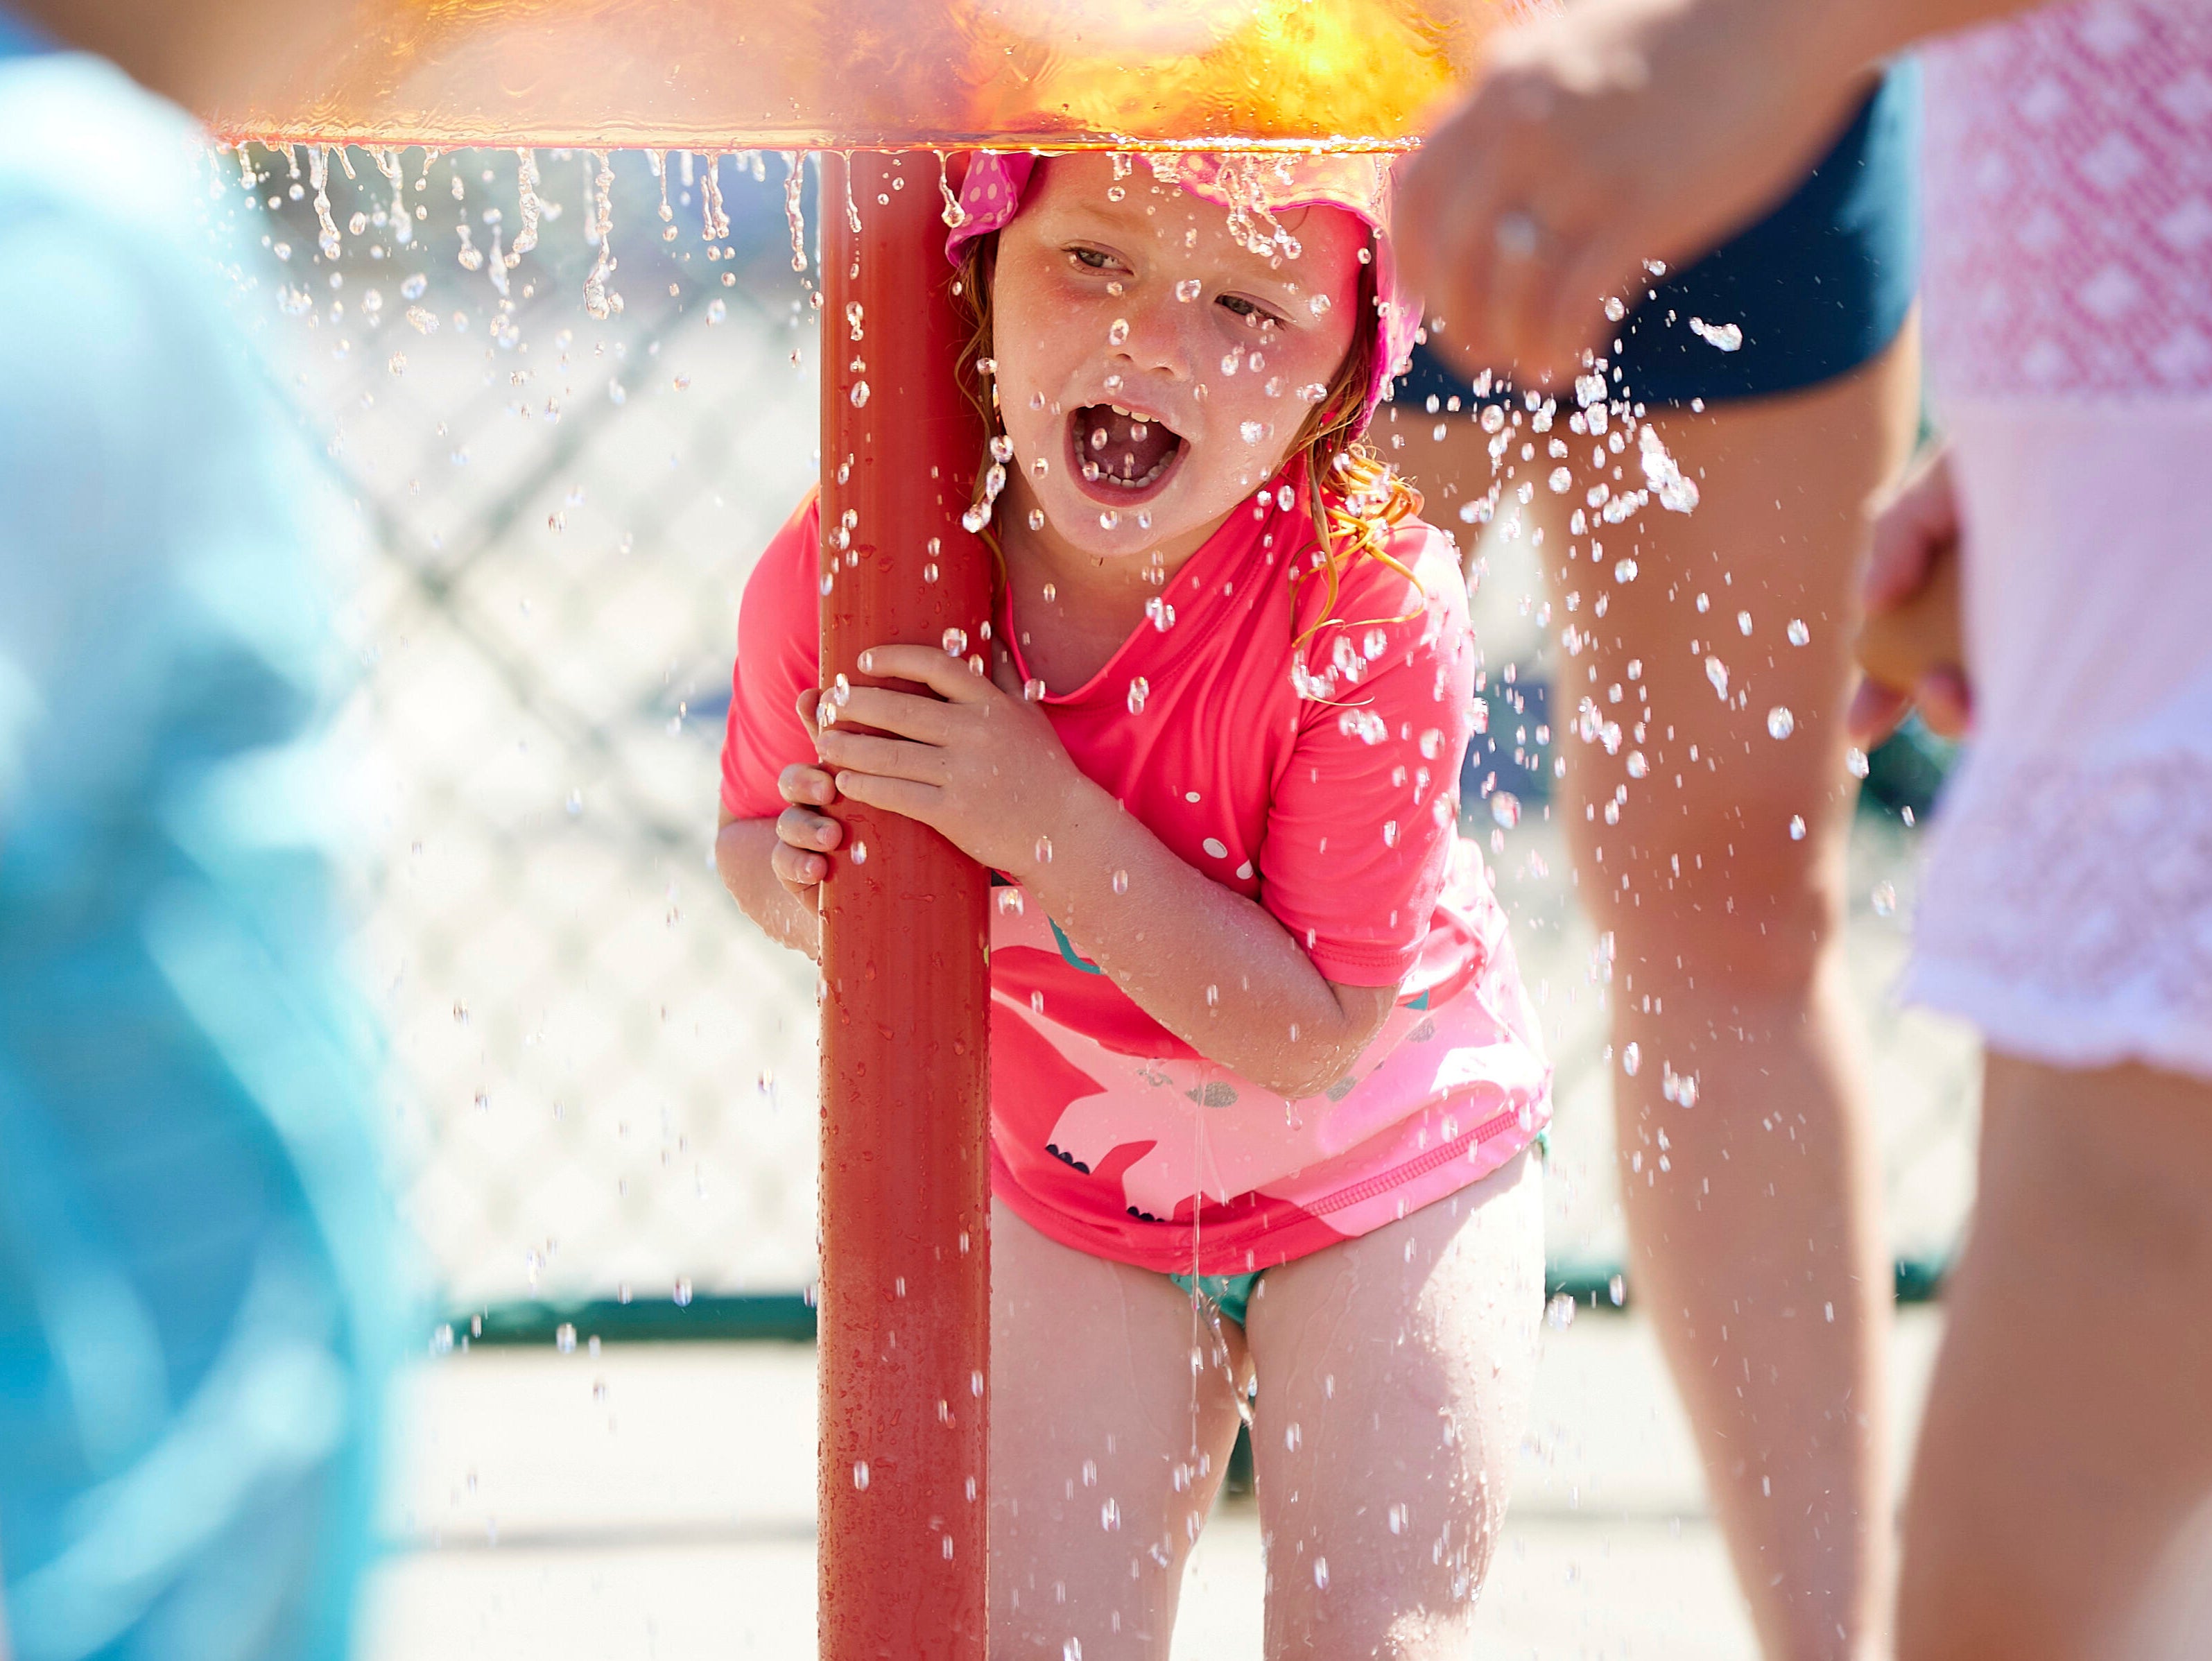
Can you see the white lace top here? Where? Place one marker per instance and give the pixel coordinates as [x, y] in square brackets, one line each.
[2067, 171]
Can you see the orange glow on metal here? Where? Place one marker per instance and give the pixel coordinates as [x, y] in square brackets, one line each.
[720, 75]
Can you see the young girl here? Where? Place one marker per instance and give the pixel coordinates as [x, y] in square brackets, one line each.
[1264, 1082]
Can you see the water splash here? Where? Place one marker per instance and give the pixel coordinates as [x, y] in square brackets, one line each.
[597, 301]
[526, 185]
[715, 217]
[794, 181]
[319, 177]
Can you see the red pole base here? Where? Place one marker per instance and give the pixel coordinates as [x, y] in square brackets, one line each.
[905, 1303]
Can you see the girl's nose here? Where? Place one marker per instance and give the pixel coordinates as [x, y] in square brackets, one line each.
[1163, 333]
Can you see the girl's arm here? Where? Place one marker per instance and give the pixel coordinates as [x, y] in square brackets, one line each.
[984, 768]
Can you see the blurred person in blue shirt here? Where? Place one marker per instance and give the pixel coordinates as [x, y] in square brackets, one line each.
[196, 1306]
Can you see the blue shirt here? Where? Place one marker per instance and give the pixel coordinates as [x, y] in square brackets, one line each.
[195, 1314]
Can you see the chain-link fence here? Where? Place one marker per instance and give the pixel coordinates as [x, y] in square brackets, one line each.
[603, 1080]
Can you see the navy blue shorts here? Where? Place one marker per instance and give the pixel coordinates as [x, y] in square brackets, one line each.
[1818, 287]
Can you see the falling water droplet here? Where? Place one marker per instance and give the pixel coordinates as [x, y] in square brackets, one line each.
[861, 1475]
[1854, 762]
[1884, 899]
[1797, 827]
[1560, 1312]
[1799, 634]
[1631, 1059]
[1321, 1573]
[1717, 672]
[1780, 723]
[1139, 690]
[956, 642]
[1505, 809]
[683, 1293]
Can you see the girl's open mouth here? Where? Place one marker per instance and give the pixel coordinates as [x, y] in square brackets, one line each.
[1121, 456]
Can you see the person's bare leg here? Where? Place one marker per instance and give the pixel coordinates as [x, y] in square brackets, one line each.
[1395, 1372]
[2065, 1459]
[1753, 1216]
[1107, 1447]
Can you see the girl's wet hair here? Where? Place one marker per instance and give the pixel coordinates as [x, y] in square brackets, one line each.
[1355, 498]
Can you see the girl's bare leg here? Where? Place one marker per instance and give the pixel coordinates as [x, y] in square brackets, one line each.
[1395, 1372]
[1755, 1227]
[1107, 1447]
[2058, 1510]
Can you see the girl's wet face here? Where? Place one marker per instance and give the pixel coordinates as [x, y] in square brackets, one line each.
[1153, 370]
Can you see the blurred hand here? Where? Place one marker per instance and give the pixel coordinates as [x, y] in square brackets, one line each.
[1603, 135]
[1910, 645]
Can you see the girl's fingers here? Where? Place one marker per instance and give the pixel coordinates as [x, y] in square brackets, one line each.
[906, 797]
[809, 707]
[796, 869]
[805, 786]
[925, 720]
[797, 828]
[949, 676]
[890, 758]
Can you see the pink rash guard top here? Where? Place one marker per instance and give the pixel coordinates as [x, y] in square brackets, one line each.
[1322, 781]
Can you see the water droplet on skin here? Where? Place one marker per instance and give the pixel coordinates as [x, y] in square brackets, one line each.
[861, 1475]
[1187, 289]
[1117, 332]
[1799, 634]
[1033, 692]
[1120, 882]
[1624, 570]
[1855, 762]
[1398, 1519]
[1631, 1059]
[1321, 1574]
[1051, 592]
[1884, 899]
[1044, 850]
[1559, 480]
[1797, 827]
[1614, 311]
[1318, 305]
[1717, 672]
[1780, 723]
[1036, 519]
[1252, 432]
[1109, 1516]
[1637, 766]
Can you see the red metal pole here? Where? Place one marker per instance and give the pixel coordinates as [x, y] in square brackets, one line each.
[905, 1311]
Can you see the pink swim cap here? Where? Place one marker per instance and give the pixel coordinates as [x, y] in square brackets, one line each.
[1260, 186]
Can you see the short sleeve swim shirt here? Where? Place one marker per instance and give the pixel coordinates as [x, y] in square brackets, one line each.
[1321, 782]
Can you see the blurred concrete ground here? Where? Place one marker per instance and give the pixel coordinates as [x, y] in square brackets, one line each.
[656, 1502]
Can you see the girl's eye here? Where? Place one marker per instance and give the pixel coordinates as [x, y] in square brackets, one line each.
[1091, 259]
[1246, 310]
